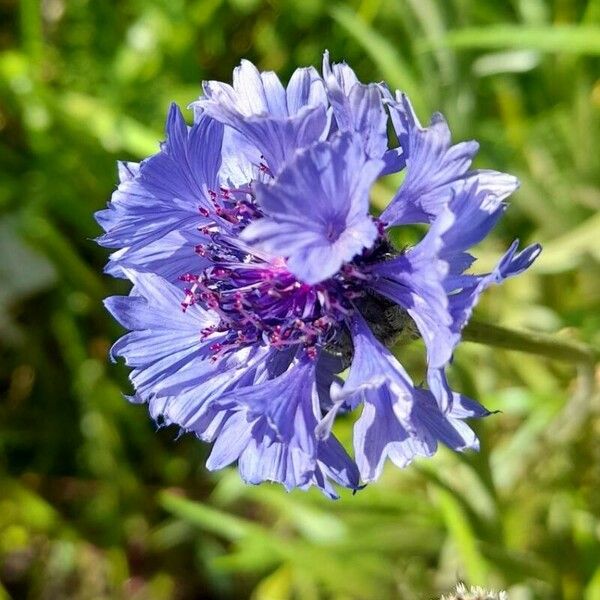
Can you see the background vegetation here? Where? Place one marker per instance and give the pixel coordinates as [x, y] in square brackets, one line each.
[95, 504]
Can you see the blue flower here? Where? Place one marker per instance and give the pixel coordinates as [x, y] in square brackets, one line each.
[265, 295]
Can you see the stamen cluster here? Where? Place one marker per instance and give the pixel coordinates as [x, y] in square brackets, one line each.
[261, 302]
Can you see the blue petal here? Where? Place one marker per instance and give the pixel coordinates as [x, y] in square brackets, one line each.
[156, 303]
[373, 367]
[449, 401]
[398, 421]
[357, 107]
[462, 302]
[231, 440]
[240, 160]
[155, 209]
[433, 426]
[334, 463]
[287, 403]
[305, 88]
[421, 279]
[374, 375]
[173, 370]
[319, 235]
[435, 168]
[186, 393]
[191, 396]
[415, 281]
[340, 75]
[107, 218]
[380, 434]
[327, 373]
[271, 432]
[394, 161]
[273, 120]
[170, 256]
[127, 170]
[475, 212]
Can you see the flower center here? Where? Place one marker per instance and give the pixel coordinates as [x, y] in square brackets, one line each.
[262, 302]
[256, 298]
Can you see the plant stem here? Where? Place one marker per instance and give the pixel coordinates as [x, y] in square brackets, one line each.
[532, 342]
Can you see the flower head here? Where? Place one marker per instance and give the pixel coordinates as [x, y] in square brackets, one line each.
[259, 275]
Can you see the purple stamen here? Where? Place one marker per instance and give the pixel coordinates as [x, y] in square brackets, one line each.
[260, 300]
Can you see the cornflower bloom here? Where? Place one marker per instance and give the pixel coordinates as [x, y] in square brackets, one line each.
[259, 275]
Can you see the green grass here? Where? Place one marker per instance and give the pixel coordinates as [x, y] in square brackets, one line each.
[95, 504]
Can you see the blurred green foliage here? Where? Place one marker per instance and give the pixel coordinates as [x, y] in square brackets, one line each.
[95, 504]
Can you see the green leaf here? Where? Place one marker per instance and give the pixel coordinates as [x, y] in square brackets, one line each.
[592, 591]
[316, 525]
[115, 131]
[569, 39]
[277, 586]
[464, 537]
[567, 251]
[209, 519]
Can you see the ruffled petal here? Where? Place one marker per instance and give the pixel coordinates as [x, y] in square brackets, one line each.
[463, 300]
[428, 281]
[474, 212]
[154, 214]
[173, 370]
[305, 88]
[240, 160]
[271, 433]
[449, 401]
[399, 421]
[170, 256]
[357, 107]
[464, 222]
[318, 236]
[327, 371]
[435, 168]
[272, 119]
[415, 281]
[334, 463]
